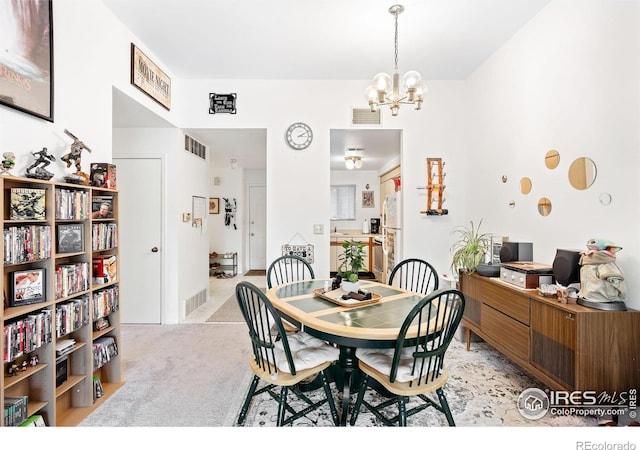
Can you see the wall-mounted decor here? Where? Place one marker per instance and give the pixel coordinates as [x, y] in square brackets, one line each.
[367, 199]
[214, 205]
[222, 103]
[435, 188]
[148, 77]
[26, 59]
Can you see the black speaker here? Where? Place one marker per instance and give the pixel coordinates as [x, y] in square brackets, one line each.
[566, 267]
[509, 252]
[516, 251]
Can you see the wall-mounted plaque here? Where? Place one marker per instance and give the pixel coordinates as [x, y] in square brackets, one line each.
[222, 103]
[148, 77]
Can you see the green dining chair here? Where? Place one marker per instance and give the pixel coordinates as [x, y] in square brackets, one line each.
[287, 268]
[415, 275]
[280, 361]
[415, 366]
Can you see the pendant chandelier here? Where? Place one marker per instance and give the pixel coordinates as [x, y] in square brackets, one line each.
[387, 90]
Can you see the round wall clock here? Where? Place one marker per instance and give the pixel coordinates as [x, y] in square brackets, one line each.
[299, 136]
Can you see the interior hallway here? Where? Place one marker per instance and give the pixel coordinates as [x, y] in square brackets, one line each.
[220, 289]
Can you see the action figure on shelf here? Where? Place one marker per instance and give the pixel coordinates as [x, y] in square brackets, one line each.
[75, 157]
[8, 161]
[43, 159]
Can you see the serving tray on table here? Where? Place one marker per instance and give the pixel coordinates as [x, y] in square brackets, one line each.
[335, 296]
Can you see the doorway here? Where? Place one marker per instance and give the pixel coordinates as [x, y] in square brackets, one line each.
[257, 228]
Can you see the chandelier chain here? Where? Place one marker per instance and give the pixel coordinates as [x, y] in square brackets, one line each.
[396, 41]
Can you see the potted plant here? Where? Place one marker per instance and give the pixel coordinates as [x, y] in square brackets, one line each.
[352, 261]
[469, 248]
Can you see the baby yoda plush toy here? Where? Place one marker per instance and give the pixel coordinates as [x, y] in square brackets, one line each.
[601, 280]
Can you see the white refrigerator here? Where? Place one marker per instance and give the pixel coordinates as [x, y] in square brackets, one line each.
[391, 233]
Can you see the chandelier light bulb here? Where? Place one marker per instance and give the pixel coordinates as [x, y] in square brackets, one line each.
[358, 164]
[411, 80]
[382, 82]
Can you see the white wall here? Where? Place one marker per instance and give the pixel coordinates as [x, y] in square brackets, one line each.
[567, 81]
[298, 181]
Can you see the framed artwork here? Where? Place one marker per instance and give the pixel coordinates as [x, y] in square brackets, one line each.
[27, 287]
[148, 77]
[214, 205]
[26, 60]
[367, 199]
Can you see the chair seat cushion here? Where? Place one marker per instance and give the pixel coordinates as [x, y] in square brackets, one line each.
[306, 351]
[382, 359]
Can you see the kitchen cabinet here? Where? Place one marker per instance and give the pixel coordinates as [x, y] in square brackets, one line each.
[565, 346]
[336, 249]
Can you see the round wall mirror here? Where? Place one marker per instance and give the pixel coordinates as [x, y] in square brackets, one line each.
[544, 206]
[582, 173]
[552, 159]
[525, 185]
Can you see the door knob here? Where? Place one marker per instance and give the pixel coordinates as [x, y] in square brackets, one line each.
[154, 249]
[251, 234]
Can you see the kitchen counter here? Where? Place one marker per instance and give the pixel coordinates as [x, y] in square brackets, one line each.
[352, 234]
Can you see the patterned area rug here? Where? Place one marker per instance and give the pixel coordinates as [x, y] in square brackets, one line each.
[482, 390]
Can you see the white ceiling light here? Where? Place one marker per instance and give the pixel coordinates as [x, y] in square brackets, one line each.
[387, 90]
[233, 164]
[352, 160]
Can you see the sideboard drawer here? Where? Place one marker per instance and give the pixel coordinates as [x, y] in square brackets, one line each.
[509, 335]
[507, 301]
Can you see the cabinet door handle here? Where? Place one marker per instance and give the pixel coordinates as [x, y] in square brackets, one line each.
[154, 249]
[569, 317]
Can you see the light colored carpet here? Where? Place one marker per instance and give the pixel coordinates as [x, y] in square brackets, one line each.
[197, 375]
[188, 375]
[228, 312]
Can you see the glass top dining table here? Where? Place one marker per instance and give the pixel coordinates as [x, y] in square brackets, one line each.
[372, 325]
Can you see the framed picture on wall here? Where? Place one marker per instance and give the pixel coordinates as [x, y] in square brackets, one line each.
[149, 78]
[26, 60]
[367, 199]
[214, 205]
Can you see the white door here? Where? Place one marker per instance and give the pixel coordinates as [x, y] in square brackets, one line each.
[257, 227]
[140, 186]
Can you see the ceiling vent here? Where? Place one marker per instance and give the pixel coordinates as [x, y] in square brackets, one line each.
[195, 147]
[364, 116]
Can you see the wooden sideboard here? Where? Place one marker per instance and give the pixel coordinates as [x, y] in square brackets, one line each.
[565, 346]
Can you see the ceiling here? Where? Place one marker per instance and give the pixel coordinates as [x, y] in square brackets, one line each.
[311, 40]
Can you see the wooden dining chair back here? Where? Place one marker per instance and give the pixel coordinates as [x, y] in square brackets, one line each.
[281, 361]
[415, 275]
[288, 268]
[415, 367]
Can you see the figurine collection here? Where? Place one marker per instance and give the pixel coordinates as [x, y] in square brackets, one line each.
[40, 167]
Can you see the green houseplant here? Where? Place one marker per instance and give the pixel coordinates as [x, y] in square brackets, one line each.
[469, 248]
[351, 261]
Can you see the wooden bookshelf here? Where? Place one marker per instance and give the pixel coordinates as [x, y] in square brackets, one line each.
[68, 286]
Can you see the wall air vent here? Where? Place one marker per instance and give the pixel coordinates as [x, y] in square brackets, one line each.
[364, 116]
[195, 147]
